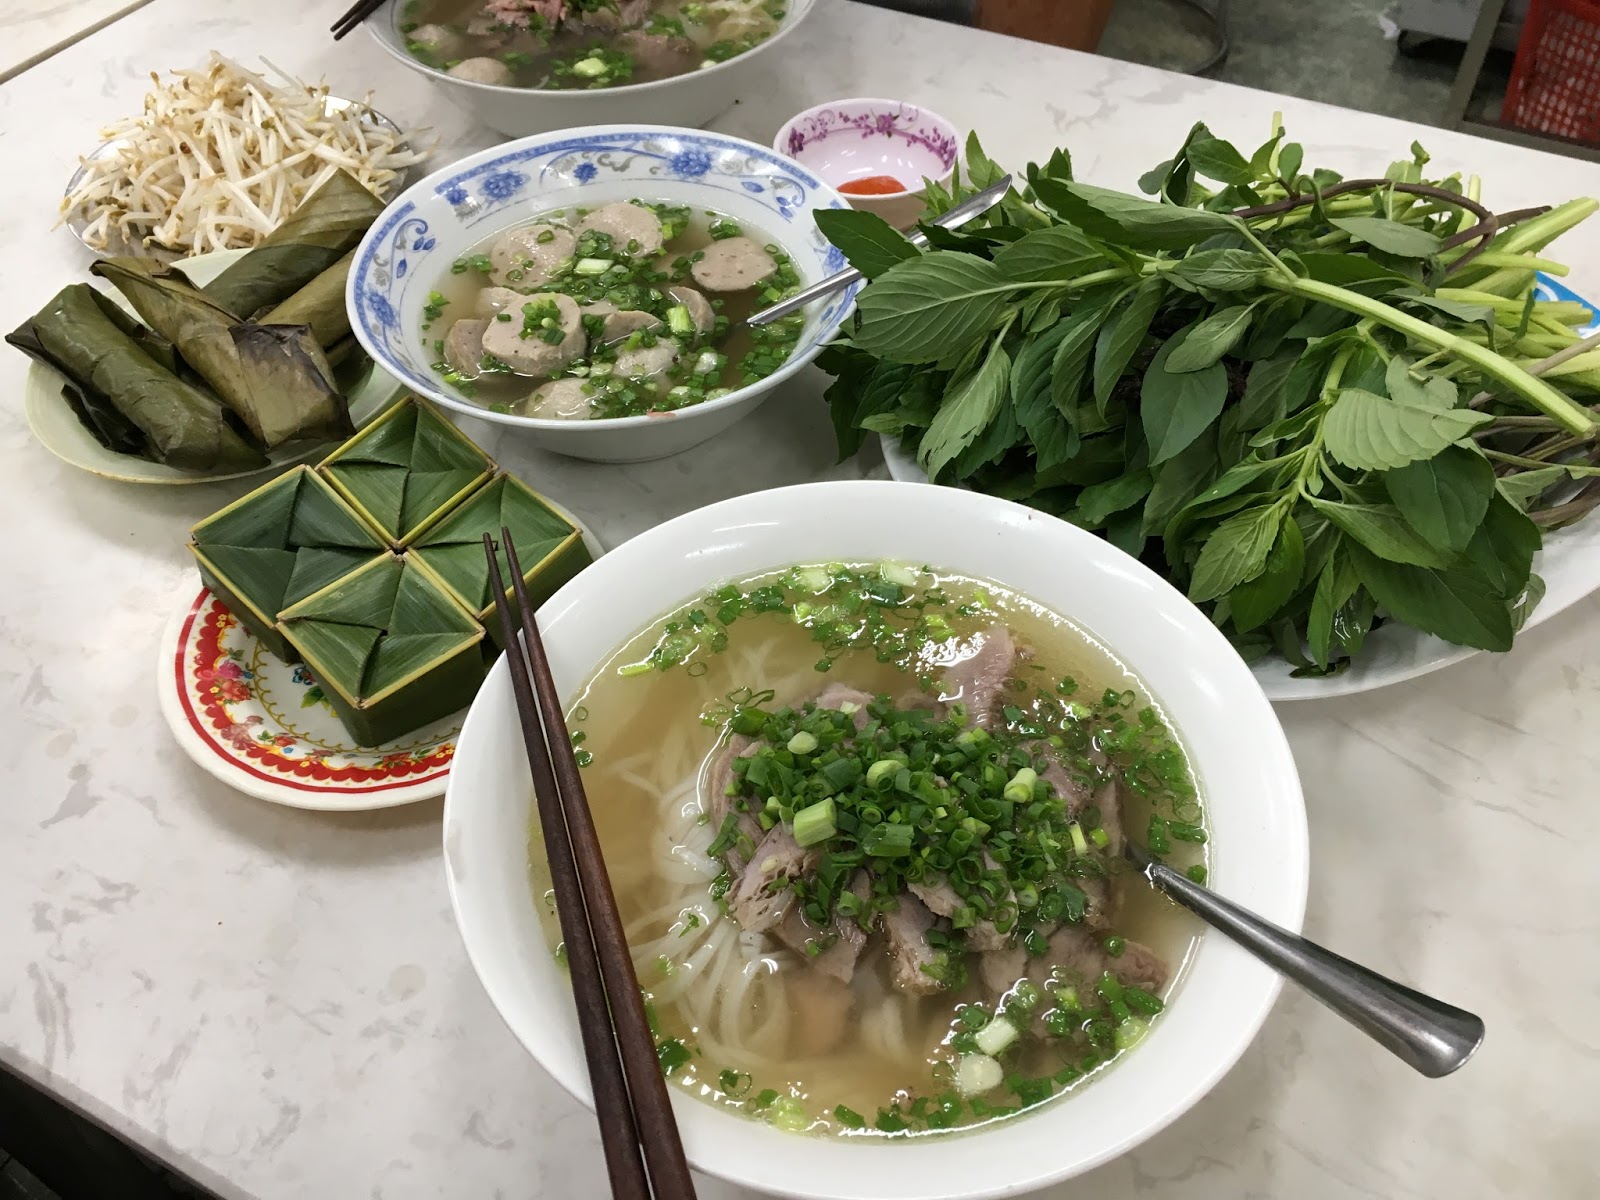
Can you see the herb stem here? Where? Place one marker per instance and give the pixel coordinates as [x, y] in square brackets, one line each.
[1541, 395]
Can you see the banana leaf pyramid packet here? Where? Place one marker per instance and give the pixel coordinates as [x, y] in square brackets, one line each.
[391, 646]
[277, 545]
[549, 546]
[406, 469]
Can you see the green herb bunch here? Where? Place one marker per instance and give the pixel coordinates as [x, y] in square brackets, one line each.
[1310, 402]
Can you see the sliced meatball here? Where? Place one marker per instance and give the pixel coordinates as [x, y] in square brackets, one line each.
[435, 40]
[494, 300]
[732, 265]
[700, 310]
[534, 355]
[646, 362]
[482, 70]
[620, 322]
[463, 346]
[559, 400]
[660, 55]
[634, 229]
[530, 255]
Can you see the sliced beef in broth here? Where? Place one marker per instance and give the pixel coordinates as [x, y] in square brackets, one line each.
[906, 927]
[760, 899]
[979, 680]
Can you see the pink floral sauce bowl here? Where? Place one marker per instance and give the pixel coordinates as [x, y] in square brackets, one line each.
[847, 140]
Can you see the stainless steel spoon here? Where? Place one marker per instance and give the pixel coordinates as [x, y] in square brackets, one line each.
[1432, 1037]
[973, 206]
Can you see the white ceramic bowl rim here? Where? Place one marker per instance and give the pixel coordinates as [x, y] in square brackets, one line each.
[946, 151]
[1255, 811]
[403, 229]
[385, 28]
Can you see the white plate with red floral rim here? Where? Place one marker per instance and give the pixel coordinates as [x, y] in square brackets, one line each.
[264, 726]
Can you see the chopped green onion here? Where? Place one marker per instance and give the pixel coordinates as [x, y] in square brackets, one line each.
[849, 1117]
[1130, 1032]
[679, 320]
[802, 743]
[815, 824]
[592, 266]
[996, 1036]
[888, 841]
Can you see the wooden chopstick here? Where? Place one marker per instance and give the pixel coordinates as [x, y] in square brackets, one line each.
[353, 16]
[630, 1094]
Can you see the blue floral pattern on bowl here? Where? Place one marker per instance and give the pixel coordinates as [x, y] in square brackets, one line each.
[428, 227]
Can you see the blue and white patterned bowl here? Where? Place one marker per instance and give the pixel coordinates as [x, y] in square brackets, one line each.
[409, 249]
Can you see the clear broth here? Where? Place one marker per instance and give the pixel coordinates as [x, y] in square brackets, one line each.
[646, 751]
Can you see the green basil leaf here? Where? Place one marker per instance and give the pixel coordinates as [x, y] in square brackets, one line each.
[1121, 338]
[1368, 432]
[1335, 585]
[1433, 392]
[1141, 224]
[1176, 408]
[1056, 252]
[1216, 159]
[925, 308]
[1503, 547]
[1392, 237]
[1072, 357]
[1223, 270]
[1527, 602]
[1382, 530]
[1123, 531]
[872, 393]
[1460, 606]
[967, 410]
[1212, 338]
[1350, 270]
[982, 171]
[870, 243]
[1461, 310]
[1257, 601]
[1054, 438]
[1100, 500]
[990, 446]
[1444, 497]
[1179, 479]
[1235, 553]
[1290, 159]
[1523, 488]
[1265, 398]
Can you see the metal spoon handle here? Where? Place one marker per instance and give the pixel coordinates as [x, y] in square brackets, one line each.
[973, 206]
[1433, 1037]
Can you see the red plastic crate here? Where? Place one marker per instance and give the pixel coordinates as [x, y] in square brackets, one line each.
[1555, 83]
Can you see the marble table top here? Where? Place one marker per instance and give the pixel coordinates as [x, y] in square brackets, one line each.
[31, 30]
[277, 1001]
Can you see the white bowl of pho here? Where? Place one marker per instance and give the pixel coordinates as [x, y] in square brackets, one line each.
[529, 66]
[862, 757]
[589, 286]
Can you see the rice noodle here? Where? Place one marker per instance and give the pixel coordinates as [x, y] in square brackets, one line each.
[221, 155]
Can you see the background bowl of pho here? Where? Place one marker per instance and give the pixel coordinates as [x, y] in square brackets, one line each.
[934, 940]
[589, 286]
[528, 66]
